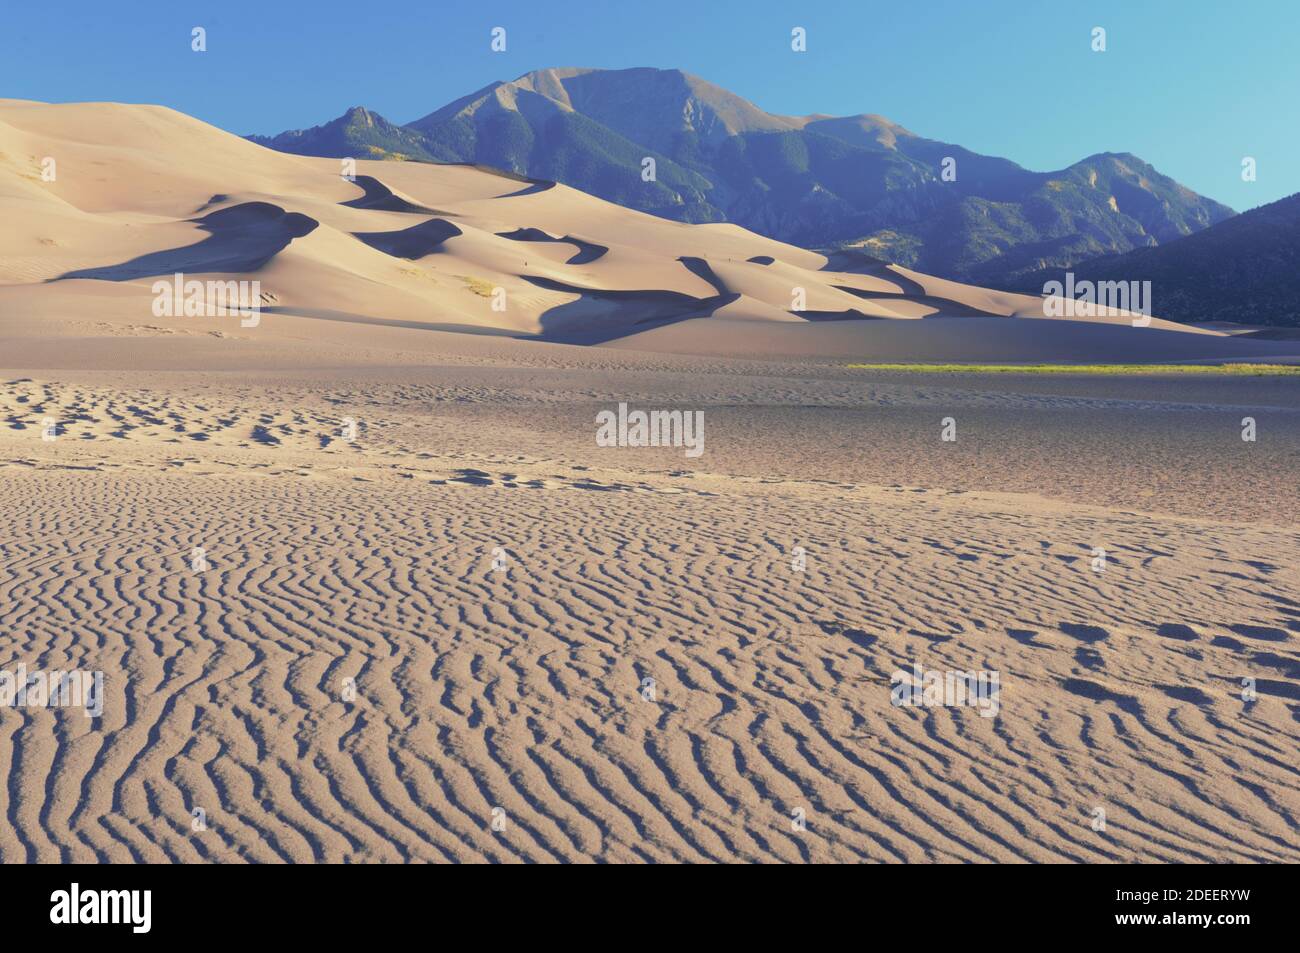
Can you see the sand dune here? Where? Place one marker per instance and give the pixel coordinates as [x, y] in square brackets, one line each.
[459, 246]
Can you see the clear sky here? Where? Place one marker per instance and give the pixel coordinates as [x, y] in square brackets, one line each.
[1192, 86]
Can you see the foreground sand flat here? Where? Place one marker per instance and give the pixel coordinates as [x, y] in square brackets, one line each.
[522, 690]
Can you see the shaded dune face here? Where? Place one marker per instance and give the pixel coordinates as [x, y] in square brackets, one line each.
[243, 238]
[533, 187]
[414, 242]
[857, 263]
[587, 252]
[600, 315]
[943, 306]
[700, 268]
[912, 291]
[378, 197]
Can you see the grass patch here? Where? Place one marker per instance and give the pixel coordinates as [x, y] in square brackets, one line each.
[379, 152]
[477, 285]
[1247, 370]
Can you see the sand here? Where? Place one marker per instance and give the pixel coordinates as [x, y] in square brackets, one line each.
[434, 621]
[521, 690]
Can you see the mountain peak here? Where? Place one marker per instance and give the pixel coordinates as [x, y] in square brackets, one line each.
[358, 133]
[815, 180]
[645, 104]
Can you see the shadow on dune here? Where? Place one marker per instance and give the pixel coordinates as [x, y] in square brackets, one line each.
[852, 263]
[414, 242]
[857, 264]
[219, 198]
[1273, 334]
[946, 306]
[958, 339]
[534, 186]
[599, 316]
[378, 197]
[851, 314]
[243, 238]
[703, 270]
[587, 251]
[351, 317]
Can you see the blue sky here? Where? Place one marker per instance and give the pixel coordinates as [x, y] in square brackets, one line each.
[1192, 86]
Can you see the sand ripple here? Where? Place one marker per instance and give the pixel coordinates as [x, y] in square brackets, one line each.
[522, 690]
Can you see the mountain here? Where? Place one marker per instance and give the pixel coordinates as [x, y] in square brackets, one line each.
[861, 183]
[1245, 270]
[359, 133]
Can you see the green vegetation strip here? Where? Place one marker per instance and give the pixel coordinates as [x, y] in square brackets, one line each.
[1255, 370]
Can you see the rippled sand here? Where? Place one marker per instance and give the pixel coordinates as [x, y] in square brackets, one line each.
[350, 678]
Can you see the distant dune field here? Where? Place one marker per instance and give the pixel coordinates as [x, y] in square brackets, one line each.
[140, 193]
